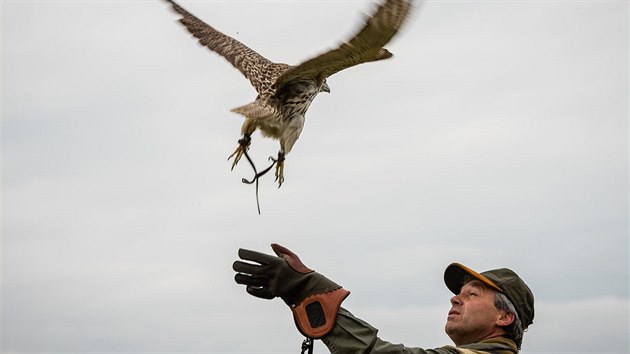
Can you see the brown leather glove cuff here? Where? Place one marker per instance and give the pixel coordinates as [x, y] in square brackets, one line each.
[315, 316]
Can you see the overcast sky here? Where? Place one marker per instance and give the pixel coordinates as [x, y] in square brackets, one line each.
[495, 137]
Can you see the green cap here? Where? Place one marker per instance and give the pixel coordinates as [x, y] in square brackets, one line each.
[503, 280]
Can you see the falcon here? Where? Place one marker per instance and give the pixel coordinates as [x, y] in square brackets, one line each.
[285, 92]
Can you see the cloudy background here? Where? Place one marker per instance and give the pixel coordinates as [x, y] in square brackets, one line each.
[497, 136]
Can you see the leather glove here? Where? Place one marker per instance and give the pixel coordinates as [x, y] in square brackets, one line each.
[313, 298]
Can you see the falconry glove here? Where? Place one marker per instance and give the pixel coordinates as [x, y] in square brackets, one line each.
[313, 298]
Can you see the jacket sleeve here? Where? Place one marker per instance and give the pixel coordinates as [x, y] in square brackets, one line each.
[351, 335]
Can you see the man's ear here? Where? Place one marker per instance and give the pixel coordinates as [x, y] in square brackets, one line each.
[506, 319]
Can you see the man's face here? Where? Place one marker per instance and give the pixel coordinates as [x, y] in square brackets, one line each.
[473, 316]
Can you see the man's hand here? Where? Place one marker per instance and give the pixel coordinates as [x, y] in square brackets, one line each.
[271, 276]
[313, 298]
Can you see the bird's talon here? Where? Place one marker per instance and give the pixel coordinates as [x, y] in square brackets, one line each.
[243, 145]
[238, 153]
[279, 169]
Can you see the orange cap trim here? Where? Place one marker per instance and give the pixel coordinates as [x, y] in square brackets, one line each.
[479, 277]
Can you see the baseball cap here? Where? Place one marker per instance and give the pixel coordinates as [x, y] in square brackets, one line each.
[503, 280]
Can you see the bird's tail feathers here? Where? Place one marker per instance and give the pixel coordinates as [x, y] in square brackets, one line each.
[255, 110]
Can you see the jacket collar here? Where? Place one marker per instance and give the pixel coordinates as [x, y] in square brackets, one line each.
[498, 345]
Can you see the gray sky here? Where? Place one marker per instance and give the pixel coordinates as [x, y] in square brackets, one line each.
[496, 137]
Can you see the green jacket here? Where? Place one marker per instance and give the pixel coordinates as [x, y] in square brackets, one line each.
[352, 335]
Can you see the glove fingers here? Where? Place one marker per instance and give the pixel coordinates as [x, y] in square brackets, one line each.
[259, 257]
[248, 268]
[251, 280]
[261, 292]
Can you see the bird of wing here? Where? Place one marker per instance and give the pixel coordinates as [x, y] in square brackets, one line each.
[366, 46]
[255, 67]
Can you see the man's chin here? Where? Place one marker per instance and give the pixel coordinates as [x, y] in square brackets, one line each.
[451, 327]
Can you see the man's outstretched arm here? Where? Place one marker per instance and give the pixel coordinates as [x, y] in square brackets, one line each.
[352, 335]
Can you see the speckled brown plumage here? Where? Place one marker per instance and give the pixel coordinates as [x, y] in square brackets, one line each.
[285, 92]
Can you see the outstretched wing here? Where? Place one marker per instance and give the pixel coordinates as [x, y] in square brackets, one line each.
[259, 70]
[365, 46]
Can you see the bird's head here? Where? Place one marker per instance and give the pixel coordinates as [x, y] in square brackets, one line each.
[324, 87]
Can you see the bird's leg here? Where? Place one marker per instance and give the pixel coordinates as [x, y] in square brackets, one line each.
[243, 146]
[279, 168]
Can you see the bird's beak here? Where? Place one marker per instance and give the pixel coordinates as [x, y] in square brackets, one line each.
[325, 88]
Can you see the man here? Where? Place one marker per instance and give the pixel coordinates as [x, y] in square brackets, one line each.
[489, 312]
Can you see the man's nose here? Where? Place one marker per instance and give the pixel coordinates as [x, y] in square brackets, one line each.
[455, 300]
